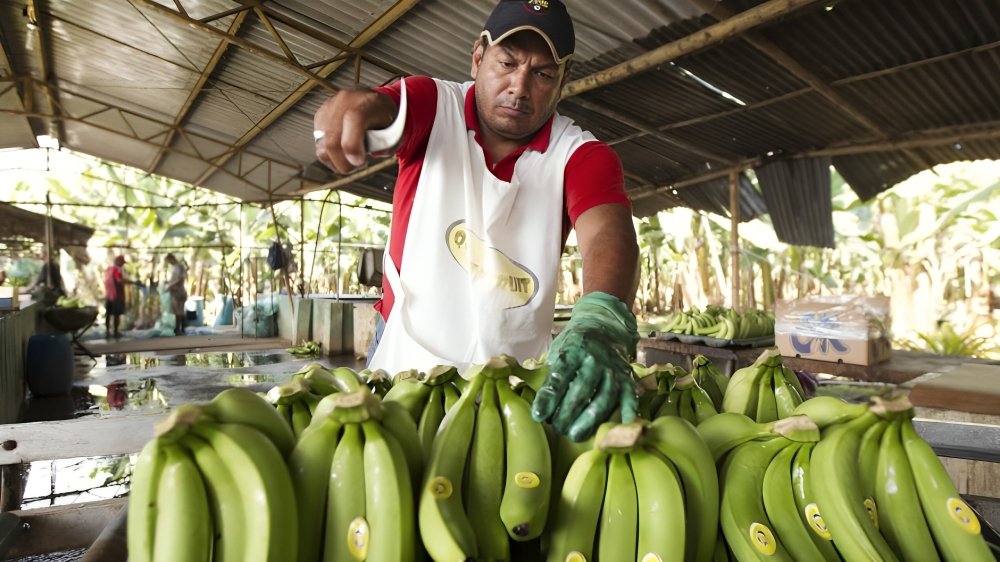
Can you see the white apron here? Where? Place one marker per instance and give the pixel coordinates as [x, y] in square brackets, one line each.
[481, 258]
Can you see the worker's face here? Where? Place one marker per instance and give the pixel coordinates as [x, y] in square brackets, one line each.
[517, 85]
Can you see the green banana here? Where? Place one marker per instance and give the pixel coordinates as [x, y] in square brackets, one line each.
[309, 465]
[485, 477]
[445, 529]
[830, 410]
[451, 395]
[904, 525]
[767, 407]
[685, 405]
[265, 488]
[786, 398]
[742, 515]
[412, 394]
[388, 498]
[702, 403]
[620, 514]
[867, 461]
[662, 526]
[793, 381]
[781, 509]
[681, 444]
[578, 511]
[183, 516]
[709, 378]
[397, 422]
[228, 513]
[741, 393]
[833, 481]
[956, 529]
[344, 539]
[527, 491]
[242, 406]
[806, 507]
[143, 501]
[726, 430]
[430, 419]
[301, 417]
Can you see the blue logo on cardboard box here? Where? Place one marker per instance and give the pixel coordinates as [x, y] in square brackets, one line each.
[818, 322]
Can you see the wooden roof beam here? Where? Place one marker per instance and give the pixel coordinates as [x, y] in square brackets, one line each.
[946, 136]
[37, 27]
[786, 61]
[380, 24]
[195, 92]
[711, 35]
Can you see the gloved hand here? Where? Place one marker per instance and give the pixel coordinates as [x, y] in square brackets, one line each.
[589, 368]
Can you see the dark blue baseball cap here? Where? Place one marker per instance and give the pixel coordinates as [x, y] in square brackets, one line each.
[548, 18]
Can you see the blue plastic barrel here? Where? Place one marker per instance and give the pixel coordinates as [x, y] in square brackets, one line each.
[49, 365]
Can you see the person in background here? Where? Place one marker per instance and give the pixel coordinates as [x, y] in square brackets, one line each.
[50, 278]
[178, 294]
[491, 181]
[114, 296]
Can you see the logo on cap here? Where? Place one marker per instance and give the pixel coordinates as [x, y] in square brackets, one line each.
[538, 5]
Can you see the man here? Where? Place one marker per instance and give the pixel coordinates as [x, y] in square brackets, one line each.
[114, 296]
[178, 294]
[49, 277]
[491, 180]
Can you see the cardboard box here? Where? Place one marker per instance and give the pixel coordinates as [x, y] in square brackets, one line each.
[842, 329]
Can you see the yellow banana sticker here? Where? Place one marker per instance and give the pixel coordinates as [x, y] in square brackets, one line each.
[763, 539]
[357, 538]
[964, 516]
[511, 282]
[872, 510]
[816, 522]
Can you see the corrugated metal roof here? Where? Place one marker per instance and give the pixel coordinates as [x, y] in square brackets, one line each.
[203, 91]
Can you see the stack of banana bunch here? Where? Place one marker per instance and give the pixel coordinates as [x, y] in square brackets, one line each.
[719, 322]
[764, 391]
[488, 477]
[427, 397]
[354, 471]
[297, 399]
[644, 491]
[214, 485]
[873, 489]
[677, 393]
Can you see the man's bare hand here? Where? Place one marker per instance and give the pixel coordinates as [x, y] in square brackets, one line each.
[343, 120]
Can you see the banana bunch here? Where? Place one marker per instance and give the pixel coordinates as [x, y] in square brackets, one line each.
[882, 490]
[214, 485]
[719, 322]
[352, 473]
[69, 302]
[644, 491]
[765, 390]
[297, 399]
[709, 378]
[324, 381]
[757, 509]
[654, 383]
[427, 397]
[687, 400]
[378, 381]
[296, 402]
[488, 477]
[307, 348]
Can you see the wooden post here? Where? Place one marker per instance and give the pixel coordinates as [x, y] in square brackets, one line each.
[734, 238]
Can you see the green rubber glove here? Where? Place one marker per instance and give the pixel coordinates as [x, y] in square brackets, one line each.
[590, 374]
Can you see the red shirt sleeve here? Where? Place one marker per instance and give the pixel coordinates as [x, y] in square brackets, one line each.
[421, 100]
[594, 177]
